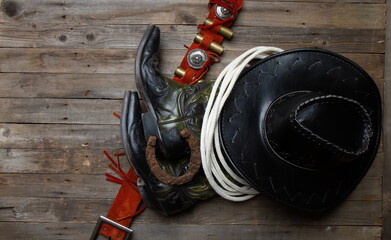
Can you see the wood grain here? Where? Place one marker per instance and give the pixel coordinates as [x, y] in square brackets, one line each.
[28, 35]
[66, 111]
[71, 161]
[300, 14]
[59, 136]
[68, 231]
[69, 85]
[386, 234]
[257, 211]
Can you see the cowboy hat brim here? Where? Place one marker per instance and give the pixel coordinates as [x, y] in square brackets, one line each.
[243, 135]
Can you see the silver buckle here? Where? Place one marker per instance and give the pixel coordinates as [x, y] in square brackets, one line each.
[102, 220]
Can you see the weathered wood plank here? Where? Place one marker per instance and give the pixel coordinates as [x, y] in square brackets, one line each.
[95, 186]
[257, 233]
[78, 161]
[81, 85]
[377, 166]
[325, 1]
[35, 161]
[263, 211]
[85, 161]
[286, 14]
[52, 85]
[386, 234]
[342, 16]
[67, 61]
[59, 136]
[57, 186]
[254, 212]
[68, 231]
[368, 63]
[66, 111]
[28, 35]
[122, 61]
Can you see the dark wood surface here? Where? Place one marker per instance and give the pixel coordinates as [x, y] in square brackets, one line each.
[387, 134]
[64, 66]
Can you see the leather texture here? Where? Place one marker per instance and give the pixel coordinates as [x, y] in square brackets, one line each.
[210, 34]
[125, 203]
[303, 127]
[171, 107]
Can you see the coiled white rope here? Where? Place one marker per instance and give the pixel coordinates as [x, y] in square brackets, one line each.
[220, 176]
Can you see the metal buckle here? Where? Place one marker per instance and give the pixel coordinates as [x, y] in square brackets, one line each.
[102, 220]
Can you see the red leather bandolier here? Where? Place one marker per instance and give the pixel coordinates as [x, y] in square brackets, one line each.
[127, 204]
[206, 48]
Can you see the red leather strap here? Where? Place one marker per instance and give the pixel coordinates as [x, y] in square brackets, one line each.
[210, 34]
[127, 203]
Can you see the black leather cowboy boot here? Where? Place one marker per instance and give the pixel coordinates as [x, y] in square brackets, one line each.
[162, 143]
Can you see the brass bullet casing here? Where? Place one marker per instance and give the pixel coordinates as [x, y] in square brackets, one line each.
[215, 47]
[198, 38]
[180, 72]
[226, 32]
[223, 31]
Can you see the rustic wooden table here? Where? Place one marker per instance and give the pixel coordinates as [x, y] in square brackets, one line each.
[64, 66]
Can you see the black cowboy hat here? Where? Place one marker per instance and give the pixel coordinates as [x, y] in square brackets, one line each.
[302, 127]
